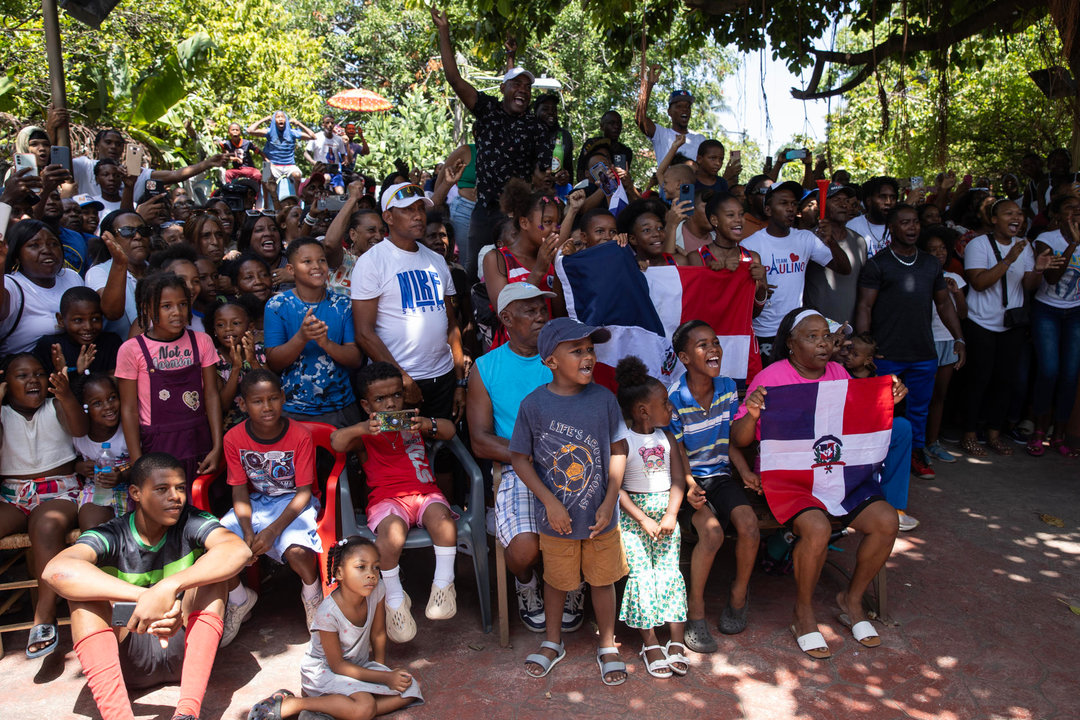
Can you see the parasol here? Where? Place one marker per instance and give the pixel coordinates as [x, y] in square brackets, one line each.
[359, 100]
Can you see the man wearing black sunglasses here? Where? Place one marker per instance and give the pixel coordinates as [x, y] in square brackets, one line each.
[127, 237]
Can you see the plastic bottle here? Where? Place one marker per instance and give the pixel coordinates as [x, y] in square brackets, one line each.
[105, 464]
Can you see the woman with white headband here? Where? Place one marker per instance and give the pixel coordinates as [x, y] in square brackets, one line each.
[801, 354]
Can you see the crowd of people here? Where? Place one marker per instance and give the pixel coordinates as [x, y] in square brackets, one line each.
[150, 335]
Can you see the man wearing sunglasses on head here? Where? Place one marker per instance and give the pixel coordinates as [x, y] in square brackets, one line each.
[127, 238]
[400, 313]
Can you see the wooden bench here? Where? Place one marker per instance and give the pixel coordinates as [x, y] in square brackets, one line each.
[19, 546]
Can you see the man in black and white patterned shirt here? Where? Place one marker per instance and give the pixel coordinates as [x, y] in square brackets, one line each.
[510, 141]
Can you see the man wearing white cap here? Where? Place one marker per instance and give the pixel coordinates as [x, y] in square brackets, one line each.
[510, 141]
[399, 291]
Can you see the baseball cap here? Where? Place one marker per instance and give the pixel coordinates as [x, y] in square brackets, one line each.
[790, 185]
[677, 95]
[837, 188]
[402, 195]
[88, 202]
[519, 291]
[514, 72]
[564, 329]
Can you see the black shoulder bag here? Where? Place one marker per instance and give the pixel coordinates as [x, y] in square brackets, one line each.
[1017, 316]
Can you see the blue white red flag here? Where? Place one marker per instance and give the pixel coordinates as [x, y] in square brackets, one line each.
[604, 286]
[822, 444]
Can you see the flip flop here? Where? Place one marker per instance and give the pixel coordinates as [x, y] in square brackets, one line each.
[655, 668]
[48, 633]
[544, 661]
[1035, 444]
[972, 447]
[269, 708]
[813, 644]
[863, 631]
[1000, 447]
[610, 666]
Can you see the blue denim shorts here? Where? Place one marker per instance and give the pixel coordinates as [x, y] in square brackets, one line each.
[946, 352]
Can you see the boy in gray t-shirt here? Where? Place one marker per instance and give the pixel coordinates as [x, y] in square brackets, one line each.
[569, 449]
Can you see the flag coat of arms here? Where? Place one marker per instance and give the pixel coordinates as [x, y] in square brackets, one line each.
[823, 444]
[604, 286]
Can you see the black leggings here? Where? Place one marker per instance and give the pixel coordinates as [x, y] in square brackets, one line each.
[992, 364]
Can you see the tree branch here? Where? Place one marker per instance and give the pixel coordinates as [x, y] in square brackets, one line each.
[1000, 12]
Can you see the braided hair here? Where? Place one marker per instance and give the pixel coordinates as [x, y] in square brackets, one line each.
[343, 549]
[148, 293]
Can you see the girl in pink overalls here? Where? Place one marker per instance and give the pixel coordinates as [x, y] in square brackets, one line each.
[168, 381]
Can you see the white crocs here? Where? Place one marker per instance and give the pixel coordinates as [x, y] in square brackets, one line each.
[400, 626]
[442, 604]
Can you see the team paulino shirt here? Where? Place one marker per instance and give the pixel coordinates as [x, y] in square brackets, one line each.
[122, 553]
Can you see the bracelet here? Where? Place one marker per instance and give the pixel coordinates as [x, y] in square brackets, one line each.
[959, 340]
[434, 426]
[463, 382]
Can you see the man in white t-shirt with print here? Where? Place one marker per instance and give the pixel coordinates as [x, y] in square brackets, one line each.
[879, 195]
[399, 291]
[785, 252]
[680, 106]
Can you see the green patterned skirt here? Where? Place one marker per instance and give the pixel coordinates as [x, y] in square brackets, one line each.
[655, 590]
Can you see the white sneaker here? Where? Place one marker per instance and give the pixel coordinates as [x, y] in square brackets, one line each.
[400, 626]
[573, 614]
[235, 615]
[442, 603]
[310, 606]
[531, 606]
[906, 521]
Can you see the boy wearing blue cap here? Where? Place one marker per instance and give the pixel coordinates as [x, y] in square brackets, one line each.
[568, 447]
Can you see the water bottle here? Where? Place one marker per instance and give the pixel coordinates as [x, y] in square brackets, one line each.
[105, 463]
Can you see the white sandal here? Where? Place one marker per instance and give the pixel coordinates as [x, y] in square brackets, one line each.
[675, 658]
[656, 668]
[400, 626]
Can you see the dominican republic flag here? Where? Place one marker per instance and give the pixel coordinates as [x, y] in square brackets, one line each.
[822, 444]
[604, 286]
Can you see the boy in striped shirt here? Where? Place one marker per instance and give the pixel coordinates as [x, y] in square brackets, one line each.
[705, 402]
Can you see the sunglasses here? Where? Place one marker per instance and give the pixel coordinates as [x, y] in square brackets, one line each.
[172, 223]
[263, 213]
[129, 232]
[409, 191]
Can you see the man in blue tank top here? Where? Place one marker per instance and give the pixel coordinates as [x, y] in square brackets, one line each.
[502, 379]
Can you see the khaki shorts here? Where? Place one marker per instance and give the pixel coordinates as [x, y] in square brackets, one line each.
[601, 560]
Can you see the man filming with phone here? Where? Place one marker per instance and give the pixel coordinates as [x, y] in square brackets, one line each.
[147, 592]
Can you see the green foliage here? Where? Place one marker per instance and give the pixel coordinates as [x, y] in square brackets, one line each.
[994, 112]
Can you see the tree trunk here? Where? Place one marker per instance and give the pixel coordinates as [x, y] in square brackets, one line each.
[1066, 14]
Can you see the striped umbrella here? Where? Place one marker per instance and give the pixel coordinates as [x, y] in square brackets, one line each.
[359, 100]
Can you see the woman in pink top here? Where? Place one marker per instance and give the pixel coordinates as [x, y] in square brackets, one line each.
[801, 354]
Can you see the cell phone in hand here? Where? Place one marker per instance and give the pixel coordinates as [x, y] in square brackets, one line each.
[121, 613]
[916, 182]
[331, 203]
[133, 160]
[602, 176]
[620, 161]
[395, 421]
[26, 161]
[796, 154]
[266, 171]
[60, 155]
[5, 217]
[686, 194]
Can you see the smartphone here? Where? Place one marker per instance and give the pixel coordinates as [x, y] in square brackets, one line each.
[24, 161]
[5, 216]
[796, 154]
[332, 203]
[121, 613]
[736, 156]
[153, 190]
[133, 160]
[606, 179]
[916, 182]
[686, 194]
[768, 161]
[60, 155]
[266, 174]
[620, 161]
[395, 421]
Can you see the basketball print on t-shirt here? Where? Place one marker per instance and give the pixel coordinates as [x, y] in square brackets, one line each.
[270, 471]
